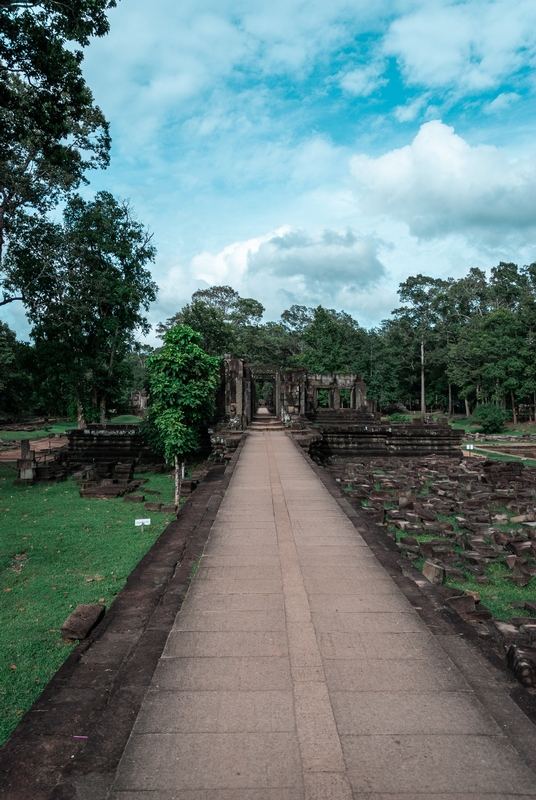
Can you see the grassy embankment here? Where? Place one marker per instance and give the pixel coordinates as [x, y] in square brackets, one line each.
[58, 550]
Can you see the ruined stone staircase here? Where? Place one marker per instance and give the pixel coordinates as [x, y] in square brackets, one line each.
[264, 421]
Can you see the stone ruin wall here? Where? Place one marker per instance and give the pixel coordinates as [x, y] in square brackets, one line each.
[324, 432]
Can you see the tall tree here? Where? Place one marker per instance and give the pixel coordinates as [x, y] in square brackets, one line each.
[333, 342]
[420, 292]
[50, 130]
[85, 286]
[182, 385]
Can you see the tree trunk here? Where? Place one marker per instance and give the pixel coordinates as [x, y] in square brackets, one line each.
[81, 418]
[513, 401]
[102, 404]
[178, 472]
[423, 397]
[467, 411]
[450, 400]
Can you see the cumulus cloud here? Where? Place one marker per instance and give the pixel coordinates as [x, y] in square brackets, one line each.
[329, 260]
[409, 111]
[440, 183]
[363, 81]
[471, 46]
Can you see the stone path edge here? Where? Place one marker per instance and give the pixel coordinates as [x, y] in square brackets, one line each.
[476, 658]
[98, 690]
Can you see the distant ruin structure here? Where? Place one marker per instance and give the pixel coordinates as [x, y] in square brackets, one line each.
[293, 394]
[329, 414]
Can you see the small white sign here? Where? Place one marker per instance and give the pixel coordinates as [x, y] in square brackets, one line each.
[469, 447]
[141, 522]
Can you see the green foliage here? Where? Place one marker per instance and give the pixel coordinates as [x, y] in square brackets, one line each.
[85, 286]
[50, 130]
[333, 342]
[16, 367]
[396, 417]
[490, 417]
[182, 385]
[61, 540]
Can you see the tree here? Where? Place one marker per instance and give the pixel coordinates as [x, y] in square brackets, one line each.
[227, 322]
[85, 287]
[16, 373]
[50, 129]
[333, 342]
[490, 417]
[421, 293]
[182, 386]
[217, 334]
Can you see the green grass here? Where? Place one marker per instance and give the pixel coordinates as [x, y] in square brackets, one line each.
[61, 541]
[529, 462]
[61, 427]
[57, 427]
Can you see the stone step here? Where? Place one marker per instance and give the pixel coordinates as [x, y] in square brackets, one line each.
[267, 425]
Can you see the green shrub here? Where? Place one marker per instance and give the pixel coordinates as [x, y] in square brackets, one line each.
[490, 417]
[396, 417]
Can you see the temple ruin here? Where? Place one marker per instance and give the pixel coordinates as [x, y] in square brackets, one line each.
[329, 414]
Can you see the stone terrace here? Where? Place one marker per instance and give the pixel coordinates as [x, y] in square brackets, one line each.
[297, 670]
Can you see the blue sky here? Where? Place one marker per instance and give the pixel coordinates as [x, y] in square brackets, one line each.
[314, 152]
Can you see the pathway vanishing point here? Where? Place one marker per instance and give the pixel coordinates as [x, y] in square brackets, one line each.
[297, 670]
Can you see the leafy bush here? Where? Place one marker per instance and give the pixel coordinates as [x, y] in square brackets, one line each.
[396, 417]
[490, 417]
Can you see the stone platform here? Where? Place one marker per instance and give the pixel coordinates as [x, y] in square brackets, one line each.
[297, 669]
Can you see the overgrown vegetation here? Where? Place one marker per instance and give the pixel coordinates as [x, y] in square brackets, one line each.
[490, 417]
[58, 550]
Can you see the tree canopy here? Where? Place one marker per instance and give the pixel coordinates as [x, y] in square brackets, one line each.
[85, 286]
[182, 385]
[51, 132]
[471, 340]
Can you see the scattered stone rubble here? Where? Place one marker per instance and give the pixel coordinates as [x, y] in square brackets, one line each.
[465, 505]
[108, 479]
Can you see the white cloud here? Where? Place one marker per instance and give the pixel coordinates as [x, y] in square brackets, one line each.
[440, 183]
[471, 46]
[502, 102]
[232, 262]
[409, 112]
[329, 261]
[363, 81]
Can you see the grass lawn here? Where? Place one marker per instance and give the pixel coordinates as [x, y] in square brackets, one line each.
[57, 550]
[57, 427]
[60, 427]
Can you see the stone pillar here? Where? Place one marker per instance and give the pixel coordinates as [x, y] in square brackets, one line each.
[26, 463]
[336, 398]
[277, 390]
[239, 397]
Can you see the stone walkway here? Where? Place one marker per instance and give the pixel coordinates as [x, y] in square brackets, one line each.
[297, 670]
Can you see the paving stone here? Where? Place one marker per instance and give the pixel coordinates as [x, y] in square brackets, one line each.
[460, 763]
[297, 670]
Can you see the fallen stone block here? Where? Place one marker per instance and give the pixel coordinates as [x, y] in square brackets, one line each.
[169, 509]
[435, 573]
[81, 622]
[134, 498]
[463, 605]
[153, 506]
[522, 662]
